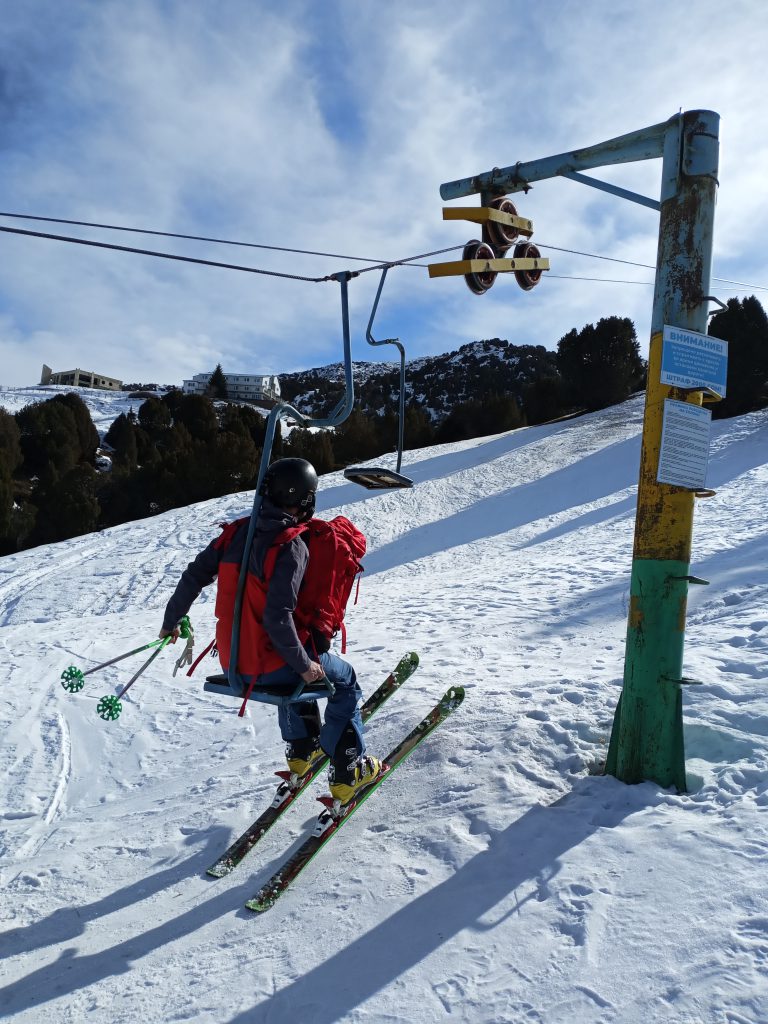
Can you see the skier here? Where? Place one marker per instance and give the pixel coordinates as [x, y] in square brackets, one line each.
[269, 633]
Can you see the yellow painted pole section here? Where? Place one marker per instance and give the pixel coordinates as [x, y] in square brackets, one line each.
[664, 512]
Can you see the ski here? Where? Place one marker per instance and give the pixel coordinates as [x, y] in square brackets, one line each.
[286, 794]
[330, 820]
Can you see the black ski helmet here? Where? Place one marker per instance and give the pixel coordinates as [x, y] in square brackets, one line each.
[290, 483]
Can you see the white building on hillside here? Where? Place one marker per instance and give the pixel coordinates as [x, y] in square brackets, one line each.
[240, 386]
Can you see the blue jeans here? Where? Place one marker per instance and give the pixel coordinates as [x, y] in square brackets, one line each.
[343, 707]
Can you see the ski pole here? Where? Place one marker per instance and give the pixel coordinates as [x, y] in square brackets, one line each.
[73, 679]
[109, 707]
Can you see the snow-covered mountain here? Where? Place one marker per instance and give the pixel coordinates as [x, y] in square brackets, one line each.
[493, 878]
[435, 383]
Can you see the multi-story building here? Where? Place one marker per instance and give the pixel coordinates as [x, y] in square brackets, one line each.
[80, 379]
[244, 387]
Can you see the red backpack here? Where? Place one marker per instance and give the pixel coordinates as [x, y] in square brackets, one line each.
[335, 550]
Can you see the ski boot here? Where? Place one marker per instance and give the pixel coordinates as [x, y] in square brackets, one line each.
[302, 756]
[348, 783]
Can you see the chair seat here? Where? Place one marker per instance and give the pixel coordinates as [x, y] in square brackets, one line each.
[220, 684]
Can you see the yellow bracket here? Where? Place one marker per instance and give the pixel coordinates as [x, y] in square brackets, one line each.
[482, 214]
[708, 396]
[501, 266]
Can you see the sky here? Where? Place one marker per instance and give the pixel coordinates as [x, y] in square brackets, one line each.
[496, 877]
[330, 127]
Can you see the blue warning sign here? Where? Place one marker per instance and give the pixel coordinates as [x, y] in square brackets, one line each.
[692, 360]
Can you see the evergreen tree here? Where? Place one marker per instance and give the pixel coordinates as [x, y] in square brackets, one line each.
[244, 419]
[172, 398]
[418, 430]
[10, 443]
[121, 437]
[356, 439]
[6, 508]
[87, 434]
[232, 463]
[544, 399]
[154, 417]
[744, 326]
[601, 364]
[217, 385]
[197, 414]
[494, 415]
[177, 439]
[386, 430]
[49, 437]
[315, 446]
[17, 515]
[146, 449]
[66, 506]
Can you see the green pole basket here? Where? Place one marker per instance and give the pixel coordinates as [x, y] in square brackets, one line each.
[72, 679]
[109, 708]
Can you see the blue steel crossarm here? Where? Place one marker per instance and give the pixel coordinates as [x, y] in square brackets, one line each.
[646, 144]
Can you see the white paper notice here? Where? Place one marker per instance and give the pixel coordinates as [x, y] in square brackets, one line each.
[684, 445]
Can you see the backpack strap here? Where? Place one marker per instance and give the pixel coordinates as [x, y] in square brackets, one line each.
[228, 531]
[246, 698]
[284, 537]
[200, 657]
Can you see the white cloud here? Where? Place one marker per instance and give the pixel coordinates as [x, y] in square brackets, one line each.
[330, 127]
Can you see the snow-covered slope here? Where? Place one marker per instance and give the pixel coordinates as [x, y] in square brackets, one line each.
[493, 878]
[104, 406]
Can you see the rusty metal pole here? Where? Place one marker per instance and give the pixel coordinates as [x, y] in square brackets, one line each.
[647, 737]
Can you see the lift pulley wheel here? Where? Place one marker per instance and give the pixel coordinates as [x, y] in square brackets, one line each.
[527, 279]
[479, 282]
[502, 235]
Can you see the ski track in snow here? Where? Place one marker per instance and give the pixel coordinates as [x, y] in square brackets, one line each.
[494, 878]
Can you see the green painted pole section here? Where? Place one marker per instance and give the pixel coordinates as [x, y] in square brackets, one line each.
[647, 737]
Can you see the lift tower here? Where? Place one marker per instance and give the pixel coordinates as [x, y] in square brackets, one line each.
[647, 737]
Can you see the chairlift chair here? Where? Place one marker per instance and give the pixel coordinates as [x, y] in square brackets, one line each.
[235, 683]
[378, 478]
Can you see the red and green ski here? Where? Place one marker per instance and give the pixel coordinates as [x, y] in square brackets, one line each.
[331, 820]
[287, 793]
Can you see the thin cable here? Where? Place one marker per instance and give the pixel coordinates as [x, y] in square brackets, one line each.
[227, 241]
[758, 287]
[214, 263]
[192, 238]
[409, 261]
[595, 256]
[604, 280]
[646, 266]
[161, 255]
